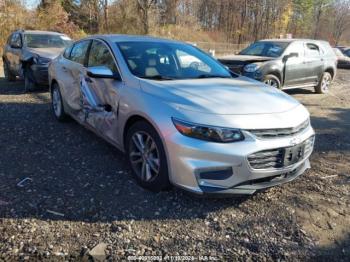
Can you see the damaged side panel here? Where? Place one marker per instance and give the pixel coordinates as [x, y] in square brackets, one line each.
[99, 103]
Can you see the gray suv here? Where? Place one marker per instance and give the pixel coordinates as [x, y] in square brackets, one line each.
[287, 63]
[27, 54]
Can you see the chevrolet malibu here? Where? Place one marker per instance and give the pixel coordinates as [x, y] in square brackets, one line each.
[194, 124]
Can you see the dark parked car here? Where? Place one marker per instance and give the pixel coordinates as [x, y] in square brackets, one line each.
[346, 52]
[27, 54]
[343, 60]
[287, 63]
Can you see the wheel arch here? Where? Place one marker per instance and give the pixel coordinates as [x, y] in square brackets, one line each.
[132, 120]
[51, 83]
[277, 74]
[331, 71]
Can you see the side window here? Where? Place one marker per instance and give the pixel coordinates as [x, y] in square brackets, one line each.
[16, 40]
[296, 47]
[79, 51]
[312, 50]
[66, 53]
[101, 56]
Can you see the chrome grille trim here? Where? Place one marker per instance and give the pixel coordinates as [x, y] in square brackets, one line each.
[280, 132]
[274, 158]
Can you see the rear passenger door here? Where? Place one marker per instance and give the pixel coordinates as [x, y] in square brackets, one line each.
[314, 63]
[73, 68]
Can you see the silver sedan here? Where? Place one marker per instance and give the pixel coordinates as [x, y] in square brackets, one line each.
[180, 116]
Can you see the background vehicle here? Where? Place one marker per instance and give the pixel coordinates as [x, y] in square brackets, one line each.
[287, 63]
[343, 60]
[346, 52]
[201, 127]
[28, 53]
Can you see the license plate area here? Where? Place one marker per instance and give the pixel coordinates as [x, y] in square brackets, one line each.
[293, 154]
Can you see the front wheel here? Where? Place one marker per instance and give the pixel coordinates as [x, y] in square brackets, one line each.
[29, 83]
[325, 83]
[57, 103]
[273, 81]
[7, 73]
[146, 157]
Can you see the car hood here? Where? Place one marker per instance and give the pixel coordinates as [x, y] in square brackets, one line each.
[246, 58]
[236, 96]
[46, 52]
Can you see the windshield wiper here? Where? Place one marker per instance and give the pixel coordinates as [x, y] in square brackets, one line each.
[158, 77]
[212, 76]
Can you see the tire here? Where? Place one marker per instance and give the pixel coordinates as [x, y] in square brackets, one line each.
[325, 83]
[57, 103]
[7, 73]
[146, 157]
[273, 81]
[29, 83]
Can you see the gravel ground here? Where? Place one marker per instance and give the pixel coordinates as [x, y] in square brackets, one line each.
[81, 203]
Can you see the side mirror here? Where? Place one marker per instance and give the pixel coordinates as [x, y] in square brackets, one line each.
[102, 72]
[16, 45]
[286, 57]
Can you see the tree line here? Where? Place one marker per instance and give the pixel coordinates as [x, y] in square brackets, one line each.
[231, 21]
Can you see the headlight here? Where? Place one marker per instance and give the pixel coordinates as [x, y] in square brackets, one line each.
[208, 133]
[41, 60]
[251, 68]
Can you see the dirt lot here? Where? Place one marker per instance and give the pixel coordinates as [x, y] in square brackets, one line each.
[81, 194]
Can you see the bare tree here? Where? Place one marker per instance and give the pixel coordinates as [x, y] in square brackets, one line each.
[144, 7]
[341, 18]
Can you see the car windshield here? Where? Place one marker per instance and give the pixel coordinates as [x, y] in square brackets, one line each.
[46, 41]
[169, 61]
[265, 48]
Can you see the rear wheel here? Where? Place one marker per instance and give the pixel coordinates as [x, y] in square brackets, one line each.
[146, 157]
[325, 83]
[7, 73]
[57, 103]
[273, 81]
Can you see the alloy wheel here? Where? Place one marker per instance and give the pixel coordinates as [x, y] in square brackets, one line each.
[271, 82]
[144, 156]
[326, 82]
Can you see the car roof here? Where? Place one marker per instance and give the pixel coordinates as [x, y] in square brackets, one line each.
[133, 38]
[40, 32]
[289, 40]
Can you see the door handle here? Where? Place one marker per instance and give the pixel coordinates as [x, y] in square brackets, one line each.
[64, 68]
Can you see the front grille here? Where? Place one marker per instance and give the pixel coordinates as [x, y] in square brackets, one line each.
[281, 157]
[280, 132]
[267, 159]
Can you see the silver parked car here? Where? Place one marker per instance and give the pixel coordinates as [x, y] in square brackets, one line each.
[192, 124]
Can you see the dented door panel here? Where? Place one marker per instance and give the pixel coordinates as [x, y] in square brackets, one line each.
[99, 100]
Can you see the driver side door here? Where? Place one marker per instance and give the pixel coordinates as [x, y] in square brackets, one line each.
[100, 96]
[294, 67]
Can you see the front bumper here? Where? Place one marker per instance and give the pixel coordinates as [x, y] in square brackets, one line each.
[215, 168]
[40, 74]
